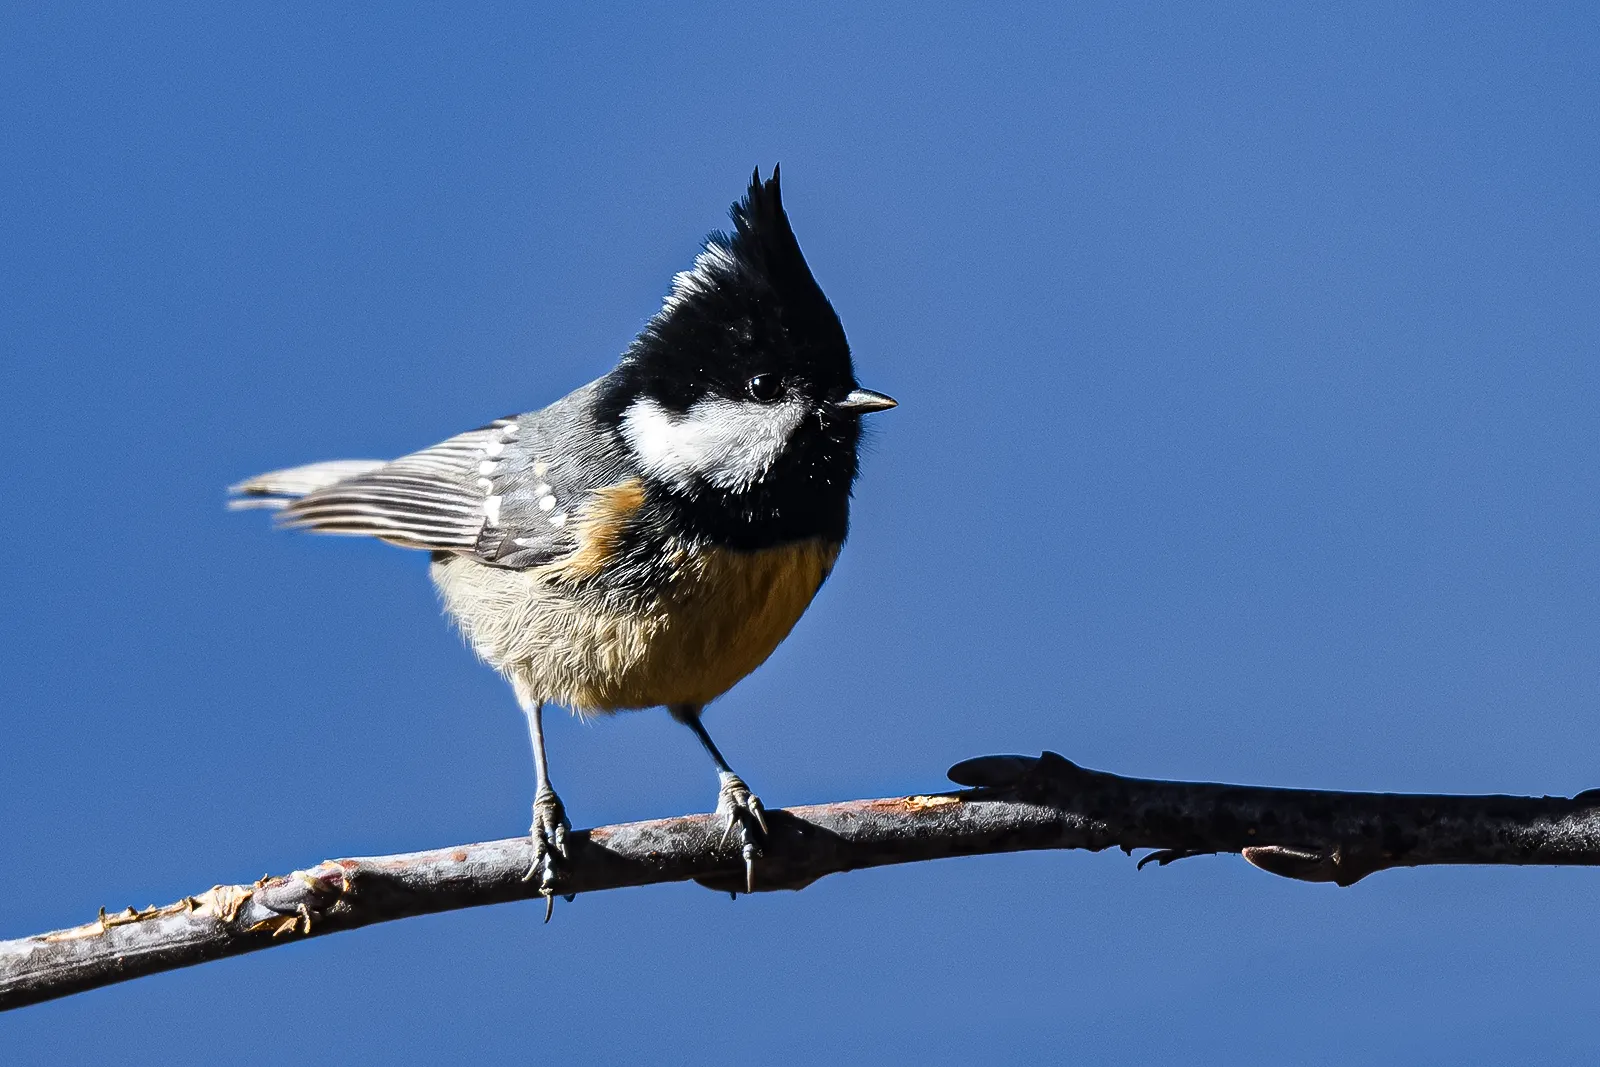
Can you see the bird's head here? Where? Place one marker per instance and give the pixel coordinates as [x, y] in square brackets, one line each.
[741, 391]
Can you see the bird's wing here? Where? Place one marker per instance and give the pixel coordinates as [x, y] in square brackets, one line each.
[486, 493]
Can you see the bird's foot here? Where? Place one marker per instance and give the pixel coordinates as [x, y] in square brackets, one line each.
[549, 836]
[744, 812]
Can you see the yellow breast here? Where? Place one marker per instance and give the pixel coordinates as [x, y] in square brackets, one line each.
[719, 621]
[574, 633]
[714, 617]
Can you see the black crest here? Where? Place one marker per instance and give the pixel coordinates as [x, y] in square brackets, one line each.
[764, 243]
[748, 306]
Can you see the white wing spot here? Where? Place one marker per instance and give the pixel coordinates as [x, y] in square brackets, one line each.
[546, 503]
[494, 448]
[487, 467]
[558, 518]
[491, 509]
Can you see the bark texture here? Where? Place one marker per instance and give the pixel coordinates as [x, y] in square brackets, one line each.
[1011, 803]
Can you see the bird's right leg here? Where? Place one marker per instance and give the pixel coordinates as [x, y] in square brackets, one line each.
[734, 799]
[550, 825]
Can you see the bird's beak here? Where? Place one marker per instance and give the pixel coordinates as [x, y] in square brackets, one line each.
[864, 401]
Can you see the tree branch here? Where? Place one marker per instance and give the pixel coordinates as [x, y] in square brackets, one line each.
[1014, 803]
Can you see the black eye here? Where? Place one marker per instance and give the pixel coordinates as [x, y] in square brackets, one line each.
[764, 387]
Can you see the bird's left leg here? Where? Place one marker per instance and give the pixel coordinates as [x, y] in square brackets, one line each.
[734, 799]
[550, 825]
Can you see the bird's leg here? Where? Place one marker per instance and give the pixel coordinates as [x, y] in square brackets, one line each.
[734, 799]
[550, 825]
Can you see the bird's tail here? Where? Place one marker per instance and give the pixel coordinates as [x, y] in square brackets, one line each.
[276, 488]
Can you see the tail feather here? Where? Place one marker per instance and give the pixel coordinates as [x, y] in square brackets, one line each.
[276, 489]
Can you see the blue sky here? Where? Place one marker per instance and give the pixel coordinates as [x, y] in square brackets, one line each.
[1248, 432]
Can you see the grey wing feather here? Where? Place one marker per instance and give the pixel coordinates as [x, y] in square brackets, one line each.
[434, 499]
[480, 494]
[276, 489]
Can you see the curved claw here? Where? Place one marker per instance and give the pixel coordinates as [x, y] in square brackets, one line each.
[754, 810]
[548, 835]
[745, 813]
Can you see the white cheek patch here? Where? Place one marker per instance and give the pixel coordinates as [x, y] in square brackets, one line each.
[729, 443]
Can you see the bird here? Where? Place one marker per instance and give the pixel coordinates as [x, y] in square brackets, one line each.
[650, 538]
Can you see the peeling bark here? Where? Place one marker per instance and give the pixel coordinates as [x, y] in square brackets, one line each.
[1013, 803]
